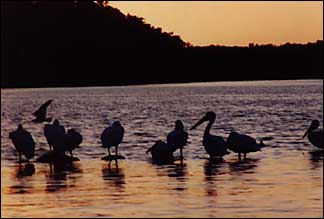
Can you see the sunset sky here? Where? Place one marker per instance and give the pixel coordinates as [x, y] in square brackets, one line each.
[232, 23]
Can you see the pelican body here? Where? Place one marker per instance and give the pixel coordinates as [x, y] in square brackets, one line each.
[41, 113]
[215, 146]
[177, 139]
[73, 140]
[161, 151]
[23, 142]
[56, 136]
[48, 132]
[244, 144]
[112, 136]
[314, 134]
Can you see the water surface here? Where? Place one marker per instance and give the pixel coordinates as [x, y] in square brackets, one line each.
[285, 179]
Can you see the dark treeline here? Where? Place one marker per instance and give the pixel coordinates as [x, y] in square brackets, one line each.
[85, 44]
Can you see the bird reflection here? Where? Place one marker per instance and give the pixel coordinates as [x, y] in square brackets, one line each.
[114, 175]
[316, 155]
[212, 168]
[22, 174]
[316, 158]
[246, 166]
[25, 170]
[57, 178]
[178, 170]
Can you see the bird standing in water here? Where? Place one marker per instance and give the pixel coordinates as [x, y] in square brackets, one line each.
[73, 140]
[177, 139]
[214, 145]
[41, 113]
[161, 151]
[23, 142]
[112, 136]
[244, 144]
[49, 134]
[314, 134]
[55, 135]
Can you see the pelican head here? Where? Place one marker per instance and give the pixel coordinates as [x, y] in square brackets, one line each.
[49, 119]
[70, 131]
[20, 127]
[233, 134]
[210, 116]
[56, 122]
[314, 125]
[116, 124]
[179, 125]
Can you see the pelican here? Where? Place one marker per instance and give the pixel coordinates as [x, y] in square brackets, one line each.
[55, 135]
[240, 143]
[178, 137]
[49, 134]
[161, 151]
[41, 113]
[23, 142]
[73, 140]
[215, 146]
[112, 136]
[314, 134]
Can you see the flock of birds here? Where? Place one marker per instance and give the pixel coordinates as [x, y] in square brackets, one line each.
[60, 141]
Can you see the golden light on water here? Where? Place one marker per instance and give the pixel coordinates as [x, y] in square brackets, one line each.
[198, 189]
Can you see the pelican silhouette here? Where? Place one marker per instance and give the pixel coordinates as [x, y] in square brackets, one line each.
[55, 135]
[73, 140]
[112, 136]
[41, 113]
[177, 139]
[314, 134]
[49, 133]
[244, 144]
[161, 151]
[23, 142]
[215, 146]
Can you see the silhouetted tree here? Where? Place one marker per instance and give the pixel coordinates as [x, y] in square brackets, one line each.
[102, 3]
[77, 43]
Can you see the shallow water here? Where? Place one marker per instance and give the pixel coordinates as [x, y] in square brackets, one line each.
[285, 179]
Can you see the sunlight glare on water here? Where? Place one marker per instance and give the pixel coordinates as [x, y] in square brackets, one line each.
[285, 179]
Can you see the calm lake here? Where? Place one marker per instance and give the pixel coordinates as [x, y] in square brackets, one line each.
[285, 179]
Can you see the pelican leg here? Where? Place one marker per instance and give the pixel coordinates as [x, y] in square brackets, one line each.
[116, 164]
[244, 156]
[239, 156]
[51, 168]
[108, 151]
[71, 153]
[181, 155]
[116, 150]
[109, 167]
[19, 157]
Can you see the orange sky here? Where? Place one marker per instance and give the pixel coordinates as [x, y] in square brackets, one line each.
[232, 23]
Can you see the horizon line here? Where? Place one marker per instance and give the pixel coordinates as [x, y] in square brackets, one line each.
[159, 84]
